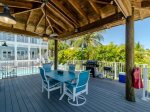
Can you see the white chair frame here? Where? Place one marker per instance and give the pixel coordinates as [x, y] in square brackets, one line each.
[49, 88]
[76, 96]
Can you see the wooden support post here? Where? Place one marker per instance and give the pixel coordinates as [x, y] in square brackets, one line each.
[56, 55]
[130, 95]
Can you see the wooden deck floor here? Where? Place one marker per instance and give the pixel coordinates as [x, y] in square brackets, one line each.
[23, 94]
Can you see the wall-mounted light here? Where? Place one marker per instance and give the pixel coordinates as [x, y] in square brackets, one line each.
[4, 44]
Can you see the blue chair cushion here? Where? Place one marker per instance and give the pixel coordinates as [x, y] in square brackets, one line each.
[70, 86]
[47, 67]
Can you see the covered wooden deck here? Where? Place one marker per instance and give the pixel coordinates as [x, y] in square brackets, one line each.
[23, 94]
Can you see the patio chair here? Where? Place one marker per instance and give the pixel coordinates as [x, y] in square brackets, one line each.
[75, 91]
[49, 84]
[71, 67]
[47, 67]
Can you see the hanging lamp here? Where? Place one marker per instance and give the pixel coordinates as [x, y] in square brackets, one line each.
[6, 17]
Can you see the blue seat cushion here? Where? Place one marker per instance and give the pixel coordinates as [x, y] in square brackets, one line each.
[70, 86]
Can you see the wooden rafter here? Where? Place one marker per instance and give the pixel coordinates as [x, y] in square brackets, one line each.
[60, 15]
[40, 20]
[30, 13]
[100, 2]
[61, 7]
[57, 21]
[143, 4]
[17, 4]
[16, 13]
[51, 25]
[124, 6]
[77, 6]
[94, 6]
[18, 31]
[95, 26]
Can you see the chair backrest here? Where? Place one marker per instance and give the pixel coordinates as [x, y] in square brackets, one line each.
[72, 67]
[83, 78]
[47, 67]
[42, 73]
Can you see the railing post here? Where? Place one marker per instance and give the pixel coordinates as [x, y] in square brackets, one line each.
[115, 70]
[145, 82]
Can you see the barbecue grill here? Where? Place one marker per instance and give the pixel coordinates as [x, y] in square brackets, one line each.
[91, 65]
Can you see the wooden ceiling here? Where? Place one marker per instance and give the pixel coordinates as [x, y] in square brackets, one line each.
[70, 18]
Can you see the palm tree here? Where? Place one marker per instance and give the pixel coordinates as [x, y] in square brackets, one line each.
[90, 39]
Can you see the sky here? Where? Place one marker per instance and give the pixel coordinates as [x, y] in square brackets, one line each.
[117, 34]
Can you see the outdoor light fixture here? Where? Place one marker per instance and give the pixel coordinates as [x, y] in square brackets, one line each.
[6, 17]
[53, 35]
[45, 37]
[4, 44]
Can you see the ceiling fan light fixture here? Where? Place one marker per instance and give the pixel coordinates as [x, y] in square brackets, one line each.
[54, 35]
[45, 37]
[6, 17]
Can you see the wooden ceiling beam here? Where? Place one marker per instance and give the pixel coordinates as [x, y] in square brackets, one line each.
[16, 13]
[59, 15]
[18, 31]
[94, 6]
[30, 13]
[66, 12]
[95, 26]
[125, 7]
[34, 1]
[17, 4]
[100, 2]
[142, 4]
[77, 6]
[57, 21]
[40, 20]
[51, 25]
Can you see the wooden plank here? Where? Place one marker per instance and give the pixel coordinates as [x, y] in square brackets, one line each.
[16, 13]
[57, 21]
[104, 96]
[2, 96]
[130, 95]
[22, 105]
[67, 13]
[50, 104]
[76, 5]
[100, 2]
[141, 4]
[94, 6]
[30, 103]
[15, 107]
[125, 7]
[40, 20]
[60, 15]
[18, 31]
[17, 4]
[30, 13]
[8, 106]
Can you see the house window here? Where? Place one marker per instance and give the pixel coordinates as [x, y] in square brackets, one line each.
[7, 54]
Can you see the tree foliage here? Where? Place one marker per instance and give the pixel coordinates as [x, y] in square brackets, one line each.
[74, 50]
